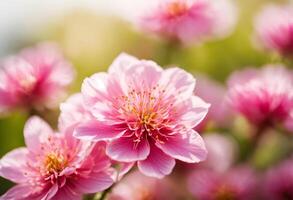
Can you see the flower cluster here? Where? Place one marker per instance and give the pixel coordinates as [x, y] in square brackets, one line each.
[140, 131]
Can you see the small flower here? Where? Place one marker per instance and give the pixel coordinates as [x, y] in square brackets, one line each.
[274, 28]
[37, 77]
[139, 187]
[278, 182]
[190, 20]
[55, 165]
[146, 113]
[264, 97]
[236, 183]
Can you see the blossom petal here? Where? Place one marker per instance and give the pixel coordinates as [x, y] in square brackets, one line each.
[194, 111]
[94, 130]
[125, 149]
[178, 81]
[157, 164]
[19, 192]
[187, 147]
[36, 131]
[94, 183]
[13, 165]
[122, 63]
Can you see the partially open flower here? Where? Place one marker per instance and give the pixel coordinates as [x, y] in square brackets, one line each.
[274, 28]
[264, 97]
[35, 78]
[146, 113]
[55, 165]
[190, 20]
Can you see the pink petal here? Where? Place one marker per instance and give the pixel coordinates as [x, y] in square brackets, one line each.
[36, 131]
[67, 193]
[125, 149]
[51, 192]
[179, 81]
[194, 111]
[13, 165]
[94, 88]
[122, 63]
[187, 147]
[19, 192]
[96, 182]
[157, 164]
[94, 130]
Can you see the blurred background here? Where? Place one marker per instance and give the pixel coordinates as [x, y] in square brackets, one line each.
[93, 32]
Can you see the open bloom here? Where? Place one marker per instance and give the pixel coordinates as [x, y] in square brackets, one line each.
[190, 20]
[35, 78]
[278, 182]
[274, 28]
[147, 114]
[55, 166]
[139, 187]
[264, 96]
[236, 183]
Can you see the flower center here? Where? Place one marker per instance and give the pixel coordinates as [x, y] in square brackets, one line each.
[176, 8]
[28, 83]
[55, 163]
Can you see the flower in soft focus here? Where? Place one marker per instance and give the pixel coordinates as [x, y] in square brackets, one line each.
[190, 20]
[265, 96]
[274, 28]
[139, 187]
[35, 78]
[222, 152]
[220, 112]
[55, 165]
[278, 182]
[236, 183]
[146, 113]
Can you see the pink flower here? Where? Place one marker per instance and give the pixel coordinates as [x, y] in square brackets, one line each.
[35, 78]
[54, 166]
[147, 113]
[139, 187]
[265, 96]
[220, 113]
[278, 182]
[236, 183]
[190, 20]
[274, 28]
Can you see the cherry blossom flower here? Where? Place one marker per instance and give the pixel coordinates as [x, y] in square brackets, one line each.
[35, 78]
[146, 113]
[265, 96]
[55, 165]
[190, 20]
[274, 28]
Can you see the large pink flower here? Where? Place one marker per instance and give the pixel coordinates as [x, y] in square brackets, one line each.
[265, 96]
[36, 77]
[147, 113]
[236, 183]
[55, 166]
[274, 28]
[190, 20]
[278, 182]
